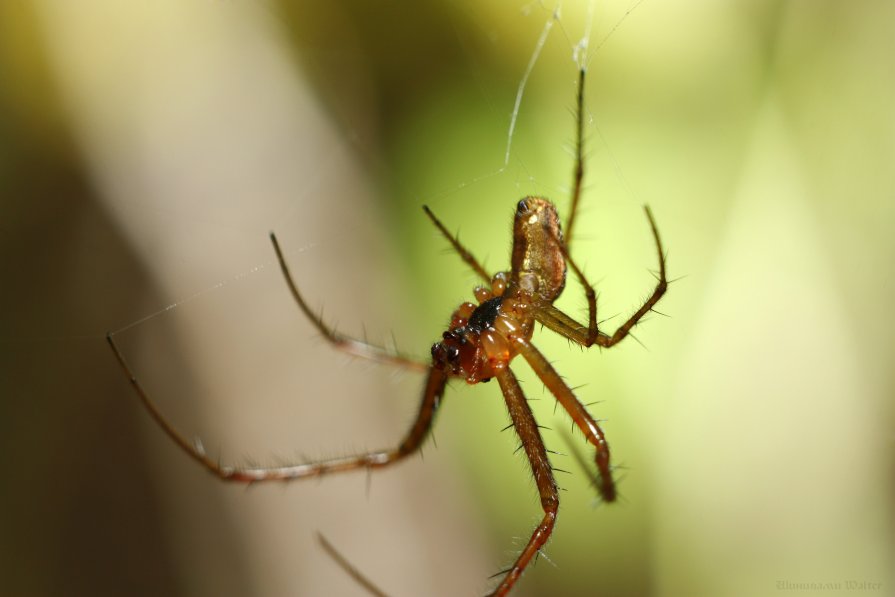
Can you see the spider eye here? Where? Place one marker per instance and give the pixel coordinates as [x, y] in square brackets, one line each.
[445, 353]
[522, 207]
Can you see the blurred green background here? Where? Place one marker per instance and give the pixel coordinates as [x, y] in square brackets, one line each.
[147, 150]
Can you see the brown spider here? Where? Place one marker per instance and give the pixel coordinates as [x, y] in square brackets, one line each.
[479, 345]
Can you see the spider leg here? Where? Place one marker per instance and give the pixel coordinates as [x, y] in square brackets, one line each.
[590, 294]
[349, 568]
[576, 410]
[587, 335]
[462, 251]
[353, 346]
[661, 287]
[527, 430]
[557, 321]
[578, 174]
[432, 395]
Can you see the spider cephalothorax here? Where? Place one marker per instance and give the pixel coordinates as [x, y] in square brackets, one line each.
[479, 342]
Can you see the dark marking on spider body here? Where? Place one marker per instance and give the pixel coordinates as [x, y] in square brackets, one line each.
[484, 315]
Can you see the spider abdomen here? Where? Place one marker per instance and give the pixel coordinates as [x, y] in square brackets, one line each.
[537, 248]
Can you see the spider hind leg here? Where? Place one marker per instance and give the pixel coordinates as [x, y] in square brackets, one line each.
[588, 335]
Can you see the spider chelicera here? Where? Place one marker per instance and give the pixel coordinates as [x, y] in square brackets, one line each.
[479, 344]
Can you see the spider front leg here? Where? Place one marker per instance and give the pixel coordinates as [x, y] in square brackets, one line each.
[585, 422]
[353, 346]
[527, 430]
[588, 335]
[432, 394]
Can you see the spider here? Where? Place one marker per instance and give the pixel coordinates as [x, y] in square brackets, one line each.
[479, 344]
